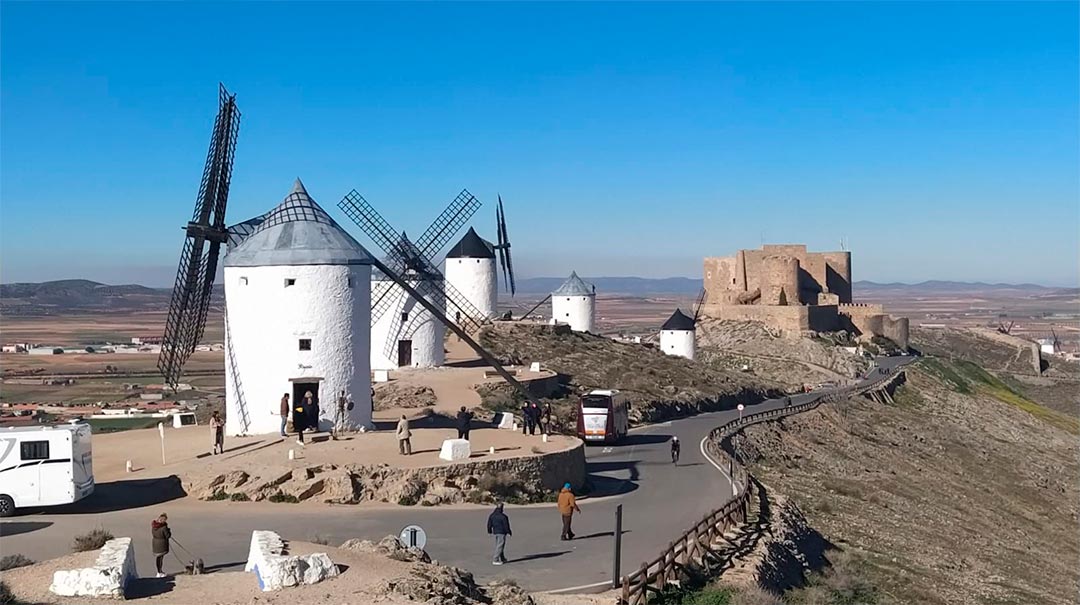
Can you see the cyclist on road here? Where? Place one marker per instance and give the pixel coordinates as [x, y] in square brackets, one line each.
[675, 447]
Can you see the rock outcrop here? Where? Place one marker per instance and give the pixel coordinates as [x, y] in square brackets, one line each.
[522, 479]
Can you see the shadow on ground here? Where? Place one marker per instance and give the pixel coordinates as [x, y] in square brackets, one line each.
[124, 495]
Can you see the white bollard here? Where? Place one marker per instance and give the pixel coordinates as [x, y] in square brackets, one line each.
[491, 450]
[544, 436]
[129, 466]
[292, 454]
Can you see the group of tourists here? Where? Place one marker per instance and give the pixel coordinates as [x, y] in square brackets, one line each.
[498, 526]
[498, 523]
[534, 417]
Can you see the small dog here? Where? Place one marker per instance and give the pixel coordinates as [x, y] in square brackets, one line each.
[196, 568]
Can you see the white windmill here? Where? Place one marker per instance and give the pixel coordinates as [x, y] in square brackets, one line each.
[574, 303]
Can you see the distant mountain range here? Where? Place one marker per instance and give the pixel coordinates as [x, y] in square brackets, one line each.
[74, 295]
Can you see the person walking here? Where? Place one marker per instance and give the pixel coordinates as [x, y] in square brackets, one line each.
[464, 423]
[498, 525]
[526, 419]
[534, 418]
[567, 507]
[545, 419]
[676, 446]
[284, 413]
[300, 417]
[341, 418]
[313, 412]
[403, 436]
[160, 535]
[217, 427]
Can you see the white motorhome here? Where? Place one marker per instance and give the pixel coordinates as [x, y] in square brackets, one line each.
[44, 466]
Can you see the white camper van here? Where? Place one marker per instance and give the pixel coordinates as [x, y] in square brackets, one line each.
[44, 466]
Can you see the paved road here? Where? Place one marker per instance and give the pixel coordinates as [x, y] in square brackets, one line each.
[660, 501]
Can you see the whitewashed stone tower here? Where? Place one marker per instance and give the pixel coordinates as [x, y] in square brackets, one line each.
[470, 269]
[677, 335]
[298, 316]
[406, 335]
[574, 303]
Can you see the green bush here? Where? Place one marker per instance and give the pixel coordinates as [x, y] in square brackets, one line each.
[12, 561]
[6, 597]
[286, 498]
[92, 540]
[239, 497]
[214, 497]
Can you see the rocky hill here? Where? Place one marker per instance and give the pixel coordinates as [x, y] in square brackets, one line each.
[792, 361]
[659, 386]
[75, 295]
[964, 491]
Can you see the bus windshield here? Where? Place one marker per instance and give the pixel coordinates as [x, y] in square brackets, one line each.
[596, 401]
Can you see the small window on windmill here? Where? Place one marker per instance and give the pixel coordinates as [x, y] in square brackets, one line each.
[404, 316]
[305, 344]
[290, 281]
[348, 282]
[243, 281]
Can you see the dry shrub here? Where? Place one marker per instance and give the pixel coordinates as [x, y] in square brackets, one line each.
[91, 540]
[12, 561]
[501, 485]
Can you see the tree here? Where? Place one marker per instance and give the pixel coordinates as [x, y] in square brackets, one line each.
[57, 351]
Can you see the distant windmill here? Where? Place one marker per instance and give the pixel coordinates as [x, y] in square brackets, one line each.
[1005, 329]
[206, 232]
[413, 262]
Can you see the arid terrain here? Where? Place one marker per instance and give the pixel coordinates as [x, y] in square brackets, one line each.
[964, 491]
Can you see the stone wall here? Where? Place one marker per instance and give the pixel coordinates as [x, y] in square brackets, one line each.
[788, 320]
[275, 570]
[524, 479]
[820, 277]
[109, 577]
[871, 320]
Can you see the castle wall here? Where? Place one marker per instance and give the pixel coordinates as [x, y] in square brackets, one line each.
[789, 320]
[897, 330]
[837, 278]
[720, 279]
[871, 320]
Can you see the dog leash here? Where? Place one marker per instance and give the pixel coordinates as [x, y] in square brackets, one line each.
[183, 549]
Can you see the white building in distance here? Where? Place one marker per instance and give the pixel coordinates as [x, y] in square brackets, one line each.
[574, 303]
[406, 335]
[298, 318]
[677, 335]
[470, 269]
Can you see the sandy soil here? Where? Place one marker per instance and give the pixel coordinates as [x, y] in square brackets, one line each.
[187, 450]
[360, 582]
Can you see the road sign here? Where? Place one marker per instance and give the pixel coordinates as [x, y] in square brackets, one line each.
[413, 535]
[740, 407]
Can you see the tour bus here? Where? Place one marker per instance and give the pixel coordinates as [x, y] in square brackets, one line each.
[44, 466]
[603, 416]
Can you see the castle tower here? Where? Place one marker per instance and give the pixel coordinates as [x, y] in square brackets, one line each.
[781, 281]
[298, 316]
[574, 303]
[677, 335]
[470, 269]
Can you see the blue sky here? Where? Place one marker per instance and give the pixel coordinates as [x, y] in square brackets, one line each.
[940, 140]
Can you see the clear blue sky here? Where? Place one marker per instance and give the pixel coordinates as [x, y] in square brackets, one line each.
[941, 140]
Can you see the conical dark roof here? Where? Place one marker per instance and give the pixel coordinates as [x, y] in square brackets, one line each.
[574, 286]
[678, 321]
[472, 246]
[297, 232]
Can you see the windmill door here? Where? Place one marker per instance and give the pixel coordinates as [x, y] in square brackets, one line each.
[404, 353]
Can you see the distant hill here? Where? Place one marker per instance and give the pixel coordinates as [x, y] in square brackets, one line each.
[78, 295]
[944, 287]
[616, 285]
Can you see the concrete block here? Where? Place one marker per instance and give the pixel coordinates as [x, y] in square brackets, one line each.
[382, 375]
[455, 449]
[274, 570]
[109, 577]
[504, 420]
[534, 366]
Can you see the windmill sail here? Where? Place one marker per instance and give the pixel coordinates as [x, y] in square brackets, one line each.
[205, 234]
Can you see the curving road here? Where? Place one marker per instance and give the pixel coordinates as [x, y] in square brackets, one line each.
[660, 501]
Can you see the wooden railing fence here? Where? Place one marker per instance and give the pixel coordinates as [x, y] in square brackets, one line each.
[691, 547]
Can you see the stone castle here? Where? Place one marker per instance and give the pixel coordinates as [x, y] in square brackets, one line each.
[789, 289]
